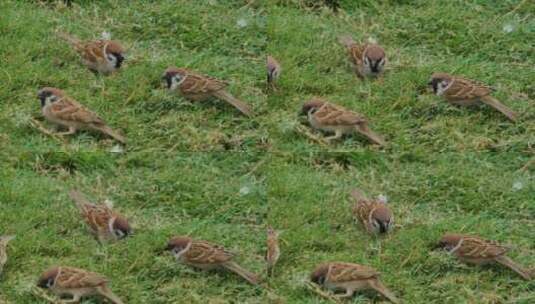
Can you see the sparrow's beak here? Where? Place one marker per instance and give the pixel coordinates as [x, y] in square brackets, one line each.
[40, 94]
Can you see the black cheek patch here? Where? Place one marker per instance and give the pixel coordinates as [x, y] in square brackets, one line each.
[434, 84]
[168, 81]
[119, 58]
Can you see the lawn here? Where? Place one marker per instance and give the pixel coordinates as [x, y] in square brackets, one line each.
[204, 170]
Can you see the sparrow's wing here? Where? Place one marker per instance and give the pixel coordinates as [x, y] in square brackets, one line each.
[332, 115]
[97, 216]
[473, 247]
[356, 53]
[78, 278]
[198, 84]
[206, 253]
[463, 88]
[345, 272]
[93, 50]
[362, 210]
[70, 110]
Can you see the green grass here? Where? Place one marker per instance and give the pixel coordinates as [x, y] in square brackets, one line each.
[202, 169]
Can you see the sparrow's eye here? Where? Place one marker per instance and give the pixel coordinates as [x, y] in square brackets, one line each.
[366, 61]
[376, 224]
[382, 62]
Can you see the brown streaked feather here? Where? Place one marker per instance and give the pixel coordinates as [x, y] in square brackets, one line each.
[69, 110]
[465, 89]
[333, 115]
[203, 252]
[477, 248]
[96, 50]
[97, 217]
[70, 277]
[201, 84]
[346, 272]
[356, 53]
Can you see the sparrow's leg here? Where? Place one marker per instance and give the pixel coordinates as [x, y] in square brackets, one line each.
[338, 134]
[348, 294]
[75, 299]
[71, 131]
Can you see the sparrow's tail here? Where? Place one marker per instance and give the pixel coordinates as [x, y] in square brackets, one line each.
[372, 136]
[79, 199]
[346, 41]
[238, 104]
[110, 132]
[491, 101]
[381, 288]
[73, 41]
[249, 276]
[506, 261]
[108, 294]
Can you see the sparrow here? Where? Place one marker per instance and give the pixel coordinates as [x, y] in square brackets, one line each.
[273, 250]
[206, 256]
[466, 92]
[4, 240]
[102, 56]
[60, 109]
[368, 59]
[328, 117]
[375, 215]
[273, 72]
[197, 87]
[77, 283]
[350, 278]
[105, 224]
[475, 250]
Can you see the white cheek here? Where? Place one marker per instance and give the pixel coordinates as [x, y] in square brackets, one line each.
[50, 100]
[441, 88]
[174, 84]
[112, 60]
